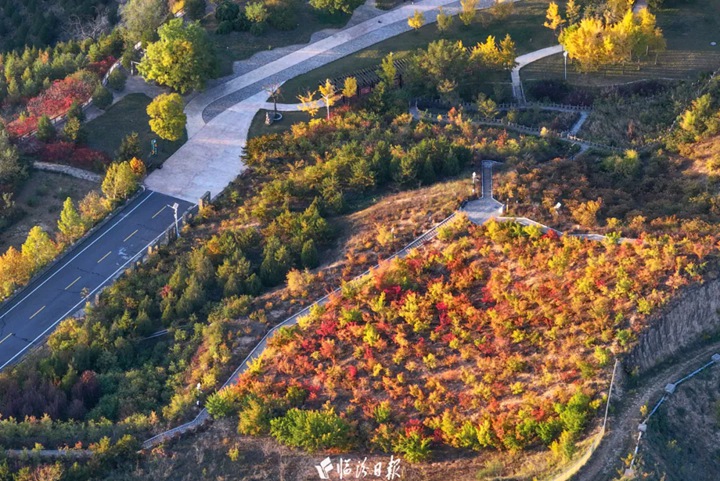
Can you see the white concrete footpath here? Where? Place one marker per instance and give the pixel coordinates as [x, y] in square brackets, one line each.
[324, 47]
[522, 61]
[211, 158]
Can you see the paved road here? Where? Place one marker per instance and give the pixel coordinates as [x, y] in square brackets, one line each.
[91, 265]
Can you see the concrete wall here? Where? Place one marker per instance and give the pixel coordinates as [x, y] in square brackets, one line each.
[691, 315]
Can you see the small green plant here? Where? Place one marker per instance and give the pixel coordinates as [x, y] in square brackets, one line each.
[312, 430]
[382, 412]
[234, 453]
[414, 447]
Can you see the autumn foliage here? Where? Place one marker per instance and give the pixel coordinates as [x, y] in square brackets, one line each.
[496, 336]
[54, 101]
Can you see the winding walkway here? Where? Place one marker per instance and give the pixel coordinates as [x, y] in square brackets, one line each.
[568, 137]
[219, 119]
[212, 102]
[524, 60]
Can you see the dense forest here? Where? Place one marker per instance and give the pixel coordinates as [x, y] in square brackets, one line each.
[40, 23]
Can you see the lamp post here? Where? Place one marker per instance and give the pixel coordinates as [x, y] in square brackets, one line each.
[565, 57]
[174, 207]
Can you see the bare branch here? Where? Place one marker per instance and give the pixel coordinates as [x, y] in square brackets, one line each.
[79, 29]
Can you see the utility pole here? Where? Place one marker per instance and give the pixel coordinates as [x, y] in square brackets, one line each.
[174, 207]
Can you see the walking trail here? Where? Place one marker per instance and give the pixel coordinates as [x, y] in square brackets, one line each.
[621, 435]
[219, 118]
[565, 137]
[524, 60]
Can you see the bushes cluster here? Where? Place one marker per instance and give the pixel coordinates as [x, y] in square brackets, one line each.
[25, 74]
[54, 433]
[312, 430]
[702, 118]
[445, 68]
[494, 337]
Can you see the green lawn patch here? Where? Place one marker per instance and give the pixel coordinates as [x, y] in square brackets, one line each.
[241, 45]
[129, 115]
[388, 4]
[258, 127]
[626, 120]
[524, 26]
[688, 27]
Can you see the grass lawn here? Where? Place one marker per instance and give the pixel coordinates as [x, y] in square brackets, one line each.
[41, 199]
[129, 115]
[688, 27]
[633, 121]
[524, 26]
[388, 4]
[258, 127]
[241, 45]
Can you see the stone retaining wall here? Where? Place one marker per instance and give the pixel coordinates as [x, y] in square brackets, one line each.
[67, 170]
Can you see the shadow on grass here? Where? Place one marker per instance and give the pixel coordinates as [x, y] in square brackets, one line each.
[129, 115]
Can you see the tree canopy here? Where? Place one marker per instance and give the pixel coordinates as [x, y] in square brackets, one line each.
[336, 6]
[166, 116]
[10, 166]
[141, 18]
[594, 42]
[182, 59]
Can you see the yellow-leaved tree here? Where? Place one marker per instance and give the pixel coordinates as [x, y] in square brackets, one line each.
[490, 55]
[593, 42]
[585, 43]
[167, 118]
[554, 19]
[328, 94]
[444, 20]
[417, 20]
[468, 11]
[572, 12]
[38, 249]
[350, 88]
[308, 103]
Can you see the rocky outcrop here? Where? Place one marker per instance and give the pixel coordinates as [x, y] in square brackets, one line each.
[694, 313]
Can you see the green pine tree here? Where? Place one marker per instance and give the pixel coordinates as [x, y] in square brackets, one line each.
[70, 224]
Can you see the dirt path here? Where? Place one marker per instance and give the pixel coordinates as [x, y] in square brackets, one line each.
[622, 427]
